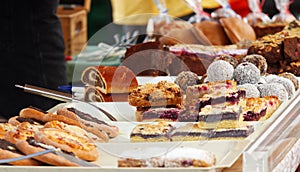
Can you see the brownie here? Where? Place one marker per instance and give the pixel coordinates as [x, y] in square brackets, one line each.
[147, 59]
[291, 47]
[262, 29]
[270, 46]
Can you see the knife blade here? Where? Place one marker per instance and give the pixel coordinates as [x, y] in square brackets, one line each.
[75, 159]
[56, 95]
[8, 160]
[71, 158]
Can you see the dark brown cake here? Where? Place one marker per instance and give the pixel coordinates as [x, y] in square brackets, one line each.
[292, 48]
[263, 29]
[270, 46]
[147, 59]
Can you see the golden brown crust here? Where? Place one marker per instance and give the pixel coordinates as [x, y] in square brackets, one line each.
[49, 158]
[5, 154]
[161, 94]
[13, 121]
[213, 31]
[88, 126]
[256, 105]
[4, 128]
[69, 142]
[73, 129]
[110, 79]
[46, 117]
[237, 30]
[22, 132]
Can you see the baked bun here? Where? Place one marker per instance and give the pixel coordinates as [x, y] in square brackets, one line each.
[178, 36]
[237, 30]
[213, 31]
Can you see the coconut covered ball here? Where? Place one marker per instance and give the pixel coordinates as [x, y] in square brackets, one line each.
[228, 58]
[291, 77]
[288, 84]
[246, 72]
[186, 78]
[259, 61]
[273, 89]
[270, 77]
[219, 70]
[251, 90]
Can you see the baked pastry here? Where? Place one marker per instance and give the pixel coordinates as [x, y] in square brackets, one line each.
[193, 93]
[93, 94]
[189, 132]
[230, 133]
[165, 114]
[152, 132]
[162, 93]
[211, 117]
[90, 123]
[151, 58]
[258, 109]
[82, 147]
[73, 129]
[197, 58]
[68, 116]
[9, 150]
[213, 31]
[4, 128]
[31, 146]
[17, 120]
[184, 36]
[237, 30]
[110, 79]
[177, 157]
[262, 29]
[192, 132]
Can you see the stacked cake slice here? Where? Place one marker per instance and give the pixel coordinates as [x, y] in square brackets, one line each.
[218, 106]
[108, 83]
[155, 102]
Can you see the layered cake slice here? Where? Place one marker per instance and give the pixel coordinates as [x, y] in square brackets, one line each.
[231, 133]
[258, 109]
[151, 132]
[192, 132]
[163, 93]
[189, 132]
[171, 114]
[225, 99]
[193, 93]
[211, 117]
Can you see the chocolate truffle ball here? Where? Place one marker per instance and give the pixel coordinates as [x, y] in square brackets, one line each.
[259, 61]
[273, 89]
[288, 84]
[291, 77]
[186, 78]
[228, 58]
[219, 70]
[251, 90]
[246, 72]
